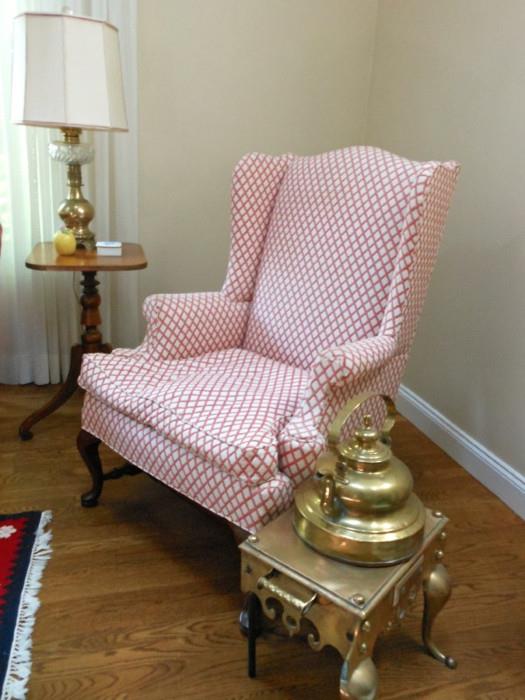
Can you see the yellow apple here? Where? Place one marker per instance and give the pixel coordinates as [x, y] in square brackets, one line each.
[65, 241]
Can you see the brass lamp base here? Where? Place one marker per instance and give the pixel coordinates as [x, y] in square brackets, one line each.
[367, 540]
[75, 211]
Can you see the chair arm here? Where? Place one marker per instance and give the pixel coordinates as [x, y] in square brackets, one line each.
[343, 364]
[338, 374]
[186, 325]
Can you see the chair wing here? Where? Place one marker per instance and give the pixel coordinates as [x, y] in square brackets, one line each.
[376, 363]
[341, 224]
[256, 182]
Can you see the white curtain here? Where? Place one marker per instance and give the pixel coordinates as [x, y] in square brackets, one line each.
[39, 312]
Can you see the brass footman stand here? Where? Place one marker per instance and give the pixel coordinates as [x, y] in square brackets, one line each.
[366, 546]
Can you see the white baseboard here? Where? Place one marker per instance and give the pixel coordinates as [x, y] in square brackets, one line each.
[498, 476]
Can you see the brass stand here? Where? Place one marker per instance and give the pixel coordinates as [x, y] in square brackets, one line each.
[348, 606]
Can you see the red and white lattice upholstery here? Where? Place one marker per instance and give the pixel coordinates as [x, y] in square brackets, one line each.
[247, 505]
[227, 406]
[256, 182]
[229, 397]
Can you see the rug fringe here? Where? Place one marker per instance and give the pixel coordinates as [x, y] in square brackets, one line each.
[19, 665]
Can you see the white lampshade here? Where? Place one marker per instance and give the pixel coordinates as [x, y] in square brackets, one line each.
[66, 72]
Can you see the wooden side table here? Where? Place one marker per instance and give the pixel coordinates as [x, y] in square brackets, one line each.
[44, 257]
[346, 606]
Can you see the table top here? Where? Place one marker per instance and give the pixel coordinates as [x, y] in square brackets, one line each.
[280, 547]
[44, 257]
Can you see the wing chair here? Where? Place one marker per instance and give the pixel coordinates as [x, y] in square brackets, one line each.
[228, 398]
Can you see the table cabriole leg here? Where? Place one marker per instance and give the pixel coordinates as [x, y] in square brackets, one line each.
[436, 589]
[66, 390]
[91, 342]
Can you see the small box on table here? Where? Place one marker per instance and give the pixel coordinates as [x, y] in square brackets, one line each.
[109, 247]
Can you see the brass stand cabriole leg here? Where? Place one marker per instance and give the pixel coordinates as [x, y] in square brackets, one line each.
[359, 683]
[87, 445]
[359, 678]
[437, 590]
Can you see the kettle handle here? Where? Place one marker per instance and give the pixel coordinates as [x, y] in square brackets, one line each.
[334, 431]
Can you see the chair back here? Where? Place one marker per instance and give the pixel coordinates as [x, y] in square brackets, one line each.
[348, 252]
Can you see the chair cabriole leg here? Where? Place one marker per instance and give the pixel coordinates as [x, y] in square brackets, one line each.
[88, 445]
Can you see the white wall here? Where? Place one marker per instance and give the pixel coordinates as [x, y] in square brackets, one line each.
[449, 82]
[219, 78]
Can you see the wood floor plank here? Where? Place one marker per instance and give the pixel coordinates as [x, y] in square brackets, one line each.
[141, 596]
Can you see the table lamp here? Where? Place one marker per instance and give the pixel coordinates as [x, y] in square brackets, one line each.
[67, 75]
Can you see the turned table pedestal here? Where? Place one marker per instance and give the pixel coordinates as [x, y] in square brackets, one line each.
[44, 257]
[341, 605]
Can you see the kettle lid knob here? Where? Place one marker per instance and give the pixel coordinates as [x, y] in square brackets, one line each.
[366, 447]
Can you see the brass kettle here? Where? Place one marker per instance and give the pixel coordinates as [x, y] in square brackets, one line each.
[360, 507]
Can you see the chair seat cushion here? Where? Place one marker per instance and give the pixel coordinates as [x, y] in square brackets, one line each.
[249, 506]
[227, 407]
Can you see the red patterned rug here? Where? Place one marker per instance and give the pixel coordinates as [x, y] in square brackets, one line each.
[24, 551]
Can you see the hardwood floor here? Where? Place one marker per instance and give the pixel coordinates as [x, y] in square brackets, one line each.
[141, 596]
